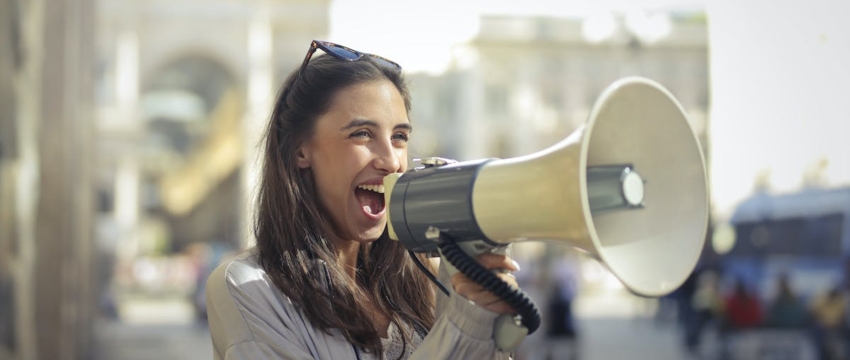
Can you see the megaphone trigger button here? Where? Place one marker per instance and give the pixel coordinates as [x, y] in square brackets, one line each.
[432, 233]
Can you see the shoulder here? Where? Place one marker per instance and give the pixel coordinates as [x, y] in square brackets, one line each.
[243, 284]
[242, 303]
[240, 270]
[241, 273]
[246, 310]
[237, 280]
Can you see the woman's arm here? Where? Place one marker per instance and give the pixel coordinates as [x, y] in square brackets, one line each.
[463, 330]
[248, 319]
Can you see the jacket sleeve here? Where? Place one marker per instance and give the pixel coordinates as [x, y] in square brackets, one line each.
[249, 321]
[463, 330]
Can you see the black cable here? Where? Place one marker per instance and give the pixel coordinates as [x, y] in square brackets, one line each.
[428, 273]
[516, 298]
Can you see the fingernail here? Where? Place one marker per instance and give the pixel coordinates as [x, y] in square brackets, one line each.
[516, 265]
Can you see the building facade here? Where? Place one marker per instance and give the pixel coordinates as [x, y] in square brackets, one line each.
[127, 128]
[524, 83]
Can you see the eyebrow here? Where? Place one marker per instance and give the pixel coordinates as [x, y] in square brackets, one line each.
[360, 122]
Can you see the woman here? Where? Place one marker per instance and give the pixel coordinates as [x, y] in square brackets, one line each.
[324, 281]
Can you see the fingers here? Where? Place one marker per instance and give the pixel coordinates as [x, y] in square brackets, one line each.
[465, 285]
[497, 261]
[476, 293]
[480, 296]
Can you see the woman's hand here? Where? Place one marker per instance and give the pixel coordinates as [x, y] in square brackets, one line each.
[476, 293]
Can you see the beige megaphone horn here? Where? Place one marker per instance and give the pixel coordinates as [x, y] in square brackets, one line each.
[628, 187]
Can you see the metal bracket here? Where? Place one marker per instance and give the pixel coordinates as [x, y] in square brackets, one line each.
[424, 163]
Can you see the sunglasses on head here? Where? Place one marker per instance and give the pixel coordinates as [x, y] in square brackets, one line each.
[343, 53]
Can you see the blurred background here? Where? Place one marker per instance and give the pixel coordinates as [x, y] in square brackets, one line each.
[128, 158]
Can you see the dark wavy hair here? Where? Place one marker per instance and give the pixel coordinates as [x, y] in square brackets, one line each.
[290, 223]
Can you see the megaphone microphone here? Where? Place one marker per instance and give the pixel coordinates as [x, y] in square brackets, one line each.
[629, 187]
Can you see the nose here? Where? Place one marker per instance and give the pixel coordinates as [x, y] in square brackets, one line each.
[389, 158]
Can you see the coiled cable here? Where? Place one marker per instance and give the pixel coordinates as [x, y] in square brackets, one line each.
[516, 298]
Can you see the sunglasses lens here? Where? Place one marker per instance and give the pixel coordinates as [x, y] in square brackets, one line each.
[385, 63]
[344, 53]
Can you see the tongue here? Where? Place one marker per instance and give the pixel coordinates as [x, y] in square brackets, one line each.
[371, 201]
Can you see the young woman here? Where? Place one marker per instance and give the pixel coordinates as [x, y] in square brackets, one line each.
[324, 281]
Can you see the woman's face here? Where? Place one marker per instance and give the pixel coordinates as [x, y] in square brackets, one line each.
[359, 140]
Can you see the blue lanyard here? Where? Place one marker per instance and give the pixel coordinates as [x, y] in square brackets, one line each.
[356, 353]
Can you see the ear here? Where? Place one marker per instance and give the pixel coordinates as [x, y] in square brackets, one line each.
[303, 158]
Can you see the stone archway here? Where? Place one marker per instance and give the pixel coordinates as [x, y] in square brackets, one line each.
[179, 97]
[192, 108]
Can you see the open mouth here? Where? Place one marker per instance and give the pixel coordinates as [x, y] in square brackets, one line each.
[371, 198]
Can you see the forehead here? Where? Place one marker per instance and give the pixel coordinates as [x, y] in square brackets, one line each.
[379, 101]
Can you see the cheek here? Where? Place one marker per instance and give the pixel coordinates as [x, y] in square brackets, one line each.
[335, 174]
[403, 159]
[330, 179]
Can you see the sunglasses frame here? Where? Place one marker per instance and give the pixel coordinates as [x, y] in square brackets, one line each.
[326, 46]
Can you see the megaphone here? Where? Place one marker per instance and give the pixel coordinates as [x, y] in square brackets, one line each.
[628, 187]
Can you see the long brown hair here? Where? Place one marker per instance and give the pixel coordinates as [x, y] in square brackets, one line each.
[290, 222]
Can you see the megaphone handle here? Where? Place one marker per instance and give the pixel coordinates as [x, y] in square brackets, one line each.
[508, 331]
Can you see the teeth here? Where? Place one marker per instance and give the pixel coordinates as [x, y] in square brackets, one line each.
[376, 188]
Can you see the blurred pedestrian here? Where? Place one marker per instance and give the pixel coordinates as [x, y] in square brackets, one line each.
[742, 309]
[787, 309]
[200, 257]
[561, 333]
[707, 307]
[828, 323]
[683, 298]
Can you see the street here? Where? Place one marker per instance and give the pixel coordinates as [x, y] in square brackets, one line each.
[164, 329]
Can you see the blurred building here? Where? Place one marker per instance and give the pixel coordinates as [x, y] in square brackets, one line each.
[184, 90]
[127, 129]
[46, 225]
[524, 83]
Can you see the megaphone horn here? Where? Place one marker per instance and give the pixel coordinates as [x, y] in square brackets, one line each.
[628, 187]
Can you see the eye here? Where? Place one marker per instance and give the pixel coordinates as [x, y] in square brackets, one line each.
[361, 134]
[400, 136]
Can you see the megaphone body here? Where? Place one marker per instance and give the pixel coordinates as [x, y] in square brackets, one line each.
[628, 187]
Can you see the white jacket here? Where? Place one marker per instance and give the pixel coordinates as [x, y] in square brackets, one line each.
[249, 318]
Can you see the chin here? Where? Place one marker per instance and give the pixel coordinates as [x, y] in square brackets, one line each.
[371, 235]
